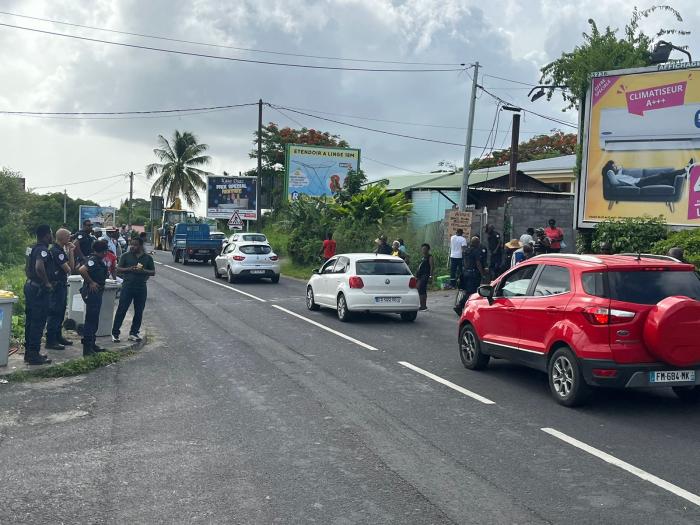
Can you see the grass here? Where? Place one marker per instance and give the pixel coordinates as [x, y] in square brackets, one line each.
[291, 269]
[74, 367]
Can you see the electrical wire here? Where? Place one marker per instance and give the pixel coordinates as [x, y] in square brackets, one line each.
[365, 157]
[511, 80]
[79, 182]
[232, 59]
[88, 114]
[503, 101]
[104, 188]
[223, 46]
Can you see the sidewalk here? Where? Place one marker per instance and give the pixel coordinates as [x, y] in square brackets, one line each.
[16, 361]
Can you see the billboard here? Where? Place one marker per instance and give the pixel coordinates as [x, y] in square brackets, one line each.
[99, 216]
[641, 145]
[226, 195]
[318, 171]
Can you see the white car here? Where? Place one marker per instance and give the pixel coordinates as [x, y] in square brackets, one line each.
[246, 237]
[247, 259]
[364, 282]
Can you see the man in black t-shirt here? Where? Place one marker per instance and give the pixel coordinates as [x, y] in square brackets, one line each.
[36, 292]
[61, 266]
[495, 247]
[84, 241]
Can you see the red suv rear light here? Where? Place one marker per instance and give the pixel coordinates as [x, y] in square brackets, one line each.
[356, 282]
[238, 257]
[604, 373]
[273, 257]
[413, 282]
[600, 315]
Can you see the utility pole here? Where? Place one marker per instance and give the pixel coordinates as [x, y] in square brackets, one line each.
[468, 145]
[515, 137]
[131, 197]
[259, 178]
[65, 204]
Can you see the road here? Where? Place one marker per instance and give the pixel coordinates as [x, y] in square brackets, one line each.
[247, 408]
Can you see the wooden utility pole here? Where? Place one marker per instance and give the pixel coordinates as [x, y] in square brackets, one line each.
[65, 205]
[515, 137]
[468, 145]
[131, 197]
[259, 178]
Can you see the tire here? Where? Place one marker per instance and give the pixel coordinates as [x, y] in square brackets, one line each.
[409, 317]
[470, 349]
[176, 256]
[311, 300]
[231, 277]
[185, 259]
[276, 278]
[566, 381]
[344, 314]
[688, 394]
[213, 261]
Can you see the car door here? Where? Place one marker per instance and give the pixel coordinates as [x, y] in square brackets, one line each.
[497, 322]
[322, 284]
[338, 276]
[541, 311]
[222, 260]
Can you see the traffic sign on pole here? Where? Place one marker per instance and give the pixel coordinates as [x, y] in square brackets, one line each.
[235, 221]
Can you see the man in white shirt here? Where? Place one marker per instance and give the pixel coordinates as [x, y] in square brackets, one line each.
[457, 245]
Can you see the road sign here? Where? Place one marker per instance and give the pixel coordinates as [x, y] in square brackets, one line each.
[235, 221]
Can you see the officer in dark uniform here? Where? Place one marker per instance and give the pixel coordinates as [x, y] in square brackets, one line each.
[36, 293]
[84, 241]
[94, 273]
[61, 266]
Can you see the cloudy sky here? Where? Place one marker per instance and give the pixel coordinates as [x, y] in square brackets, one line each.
[512, 39]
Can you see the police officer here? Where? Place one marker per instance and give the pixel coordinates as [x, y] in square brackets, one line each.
[94, 274]
[84, 240]
[61, 265]
[36, 292]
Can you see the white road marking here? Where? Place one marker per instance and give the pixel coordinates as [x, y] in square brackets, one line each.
[212, 281]
[335, 332]
[450, 384]
[674, 489]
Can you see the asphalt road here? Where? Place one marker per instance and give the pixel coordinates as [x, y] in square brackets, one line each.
[245, 411]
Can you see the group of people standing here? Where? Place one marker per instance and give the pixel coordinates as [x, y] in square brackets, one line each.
[50, 261]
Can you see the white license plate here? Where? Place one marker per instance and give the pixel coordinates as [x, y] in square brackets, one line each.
[387, 299]
[672, 376]
[256, 272]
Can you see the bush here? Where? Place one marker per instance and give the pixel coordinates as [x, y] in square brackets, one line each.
[689, 240]
[12, 278]
[635, 235]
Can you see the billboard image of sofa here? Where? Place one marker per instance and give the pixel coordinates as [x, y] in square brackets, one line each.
[641, 151]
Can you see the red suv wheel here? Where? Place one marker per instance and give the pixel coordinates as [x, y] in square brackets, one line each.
[566, 380]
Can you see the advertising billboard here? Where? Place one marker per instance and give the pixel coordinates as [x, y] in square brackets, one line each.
[642, 146]
[318, 171]
[99, 216]
[225, 195]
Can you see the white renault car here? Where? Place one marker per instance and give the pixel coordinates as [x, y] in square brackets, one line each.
[247, 259]
[246, 237]
[364, 282]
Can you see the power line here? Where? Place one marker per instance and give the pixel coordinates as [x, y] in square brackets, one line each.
[79, 182]
[365, 157]
[553, 119]
[223, 46]
[88, 114]
[511, 80]
[232, 59]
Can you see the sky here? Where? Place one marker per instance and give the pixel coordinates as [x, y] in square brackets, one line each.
[511, 39]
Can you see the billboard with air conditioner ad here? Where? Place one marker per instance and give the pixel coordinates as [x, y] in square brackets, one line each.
[641, 145]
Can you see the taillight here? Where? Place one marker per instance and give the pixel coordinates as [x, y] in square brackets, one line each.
[273, 257]
[413, 282]
[604, 373]
[238, 257]
[356, 282]
[600, 315]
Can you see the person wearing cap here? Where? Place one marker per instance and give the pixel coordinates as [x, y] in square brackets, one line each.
[527, 237]
[94, 273]
[84, 239]
[555, 236]
[36, 295]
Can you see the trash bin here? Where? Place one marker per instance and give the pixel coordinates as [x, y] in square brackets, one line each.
[76, 305]
[6, 303]
[109, 297]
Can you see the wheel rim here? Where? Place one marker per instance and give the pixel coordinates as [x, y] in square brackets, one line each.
[341, 306]
[468, 346]
[563, 376]
[309, 297]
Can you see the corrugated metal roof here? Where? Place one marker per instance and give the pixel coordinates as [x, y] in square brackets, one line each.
[406, 182]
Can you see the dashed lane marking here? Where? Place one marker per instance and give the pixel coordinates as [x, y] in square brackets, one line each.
[447, 383]
[212, 281]
[674, 489]
[323, 327]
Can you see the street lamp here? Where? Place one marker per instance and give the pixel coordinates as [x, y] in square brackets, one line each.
[662, 50]
[541, 91]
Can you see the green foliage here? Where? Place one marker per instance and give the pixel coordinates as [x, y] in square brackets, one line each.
[689, 240]
[13, 216]
[538, 147]
[140, 212]
[352, 185]
[307, 219]
[604, 51]
[179, 172]
[73, 367]
[635, 235]
[375, 206]
[12, 278]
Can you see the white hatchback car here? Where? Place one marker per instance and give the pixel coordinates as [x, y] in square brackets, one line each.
[364, 282]
[247, 259]
[246, 237]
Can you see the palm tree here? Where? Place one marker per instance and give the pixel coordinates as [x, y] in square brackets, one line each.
[179, 173]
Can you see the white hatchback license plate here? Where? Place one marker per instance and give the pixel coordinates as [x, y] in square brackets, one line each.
[257, 271]
[672, 376]
[387, 299]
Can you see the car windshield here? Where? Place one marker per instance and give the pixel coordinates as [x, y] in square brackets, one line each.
[254, 238]
[643, 287]
[255, 249]
[380, 267]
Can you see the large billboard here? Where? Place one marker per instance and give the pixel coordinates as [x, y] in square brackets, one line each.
[318, 171]
[225, 195]
[642, 146]
[99, 217]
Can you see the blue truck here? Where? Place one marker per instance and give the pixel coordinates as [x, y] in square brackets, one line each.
[191, 242]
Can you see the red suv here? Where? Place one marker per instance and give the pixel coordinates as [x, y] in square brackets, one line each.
[622, 321]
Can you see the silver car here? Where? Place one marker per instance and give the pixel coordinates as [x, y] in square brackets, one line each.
[247, 259]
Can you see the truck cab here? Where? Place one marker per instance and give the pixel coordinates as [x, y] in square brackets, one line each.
[192, 242]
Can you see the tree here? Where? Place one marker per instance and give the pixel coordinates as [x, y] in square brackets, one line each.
[140, 211]
[179, 173]
[13, 214]
[352, 185]
[604, 51]
[538, 147]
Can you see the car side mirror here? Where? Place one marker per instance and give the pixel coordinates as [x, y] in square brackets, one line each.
[486, 291]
